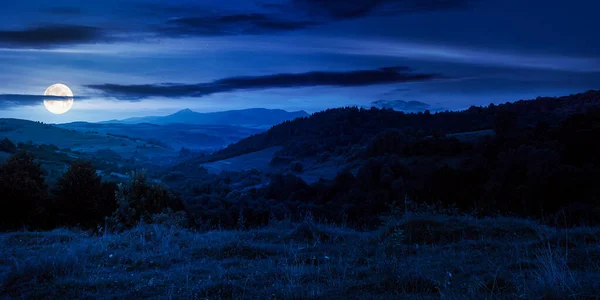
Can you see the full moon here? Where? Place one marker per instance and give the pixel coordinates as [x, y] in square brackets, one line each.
[57, 106]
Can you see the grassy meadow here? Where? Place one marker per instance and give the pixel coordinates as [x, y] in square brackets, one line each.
[419, 256]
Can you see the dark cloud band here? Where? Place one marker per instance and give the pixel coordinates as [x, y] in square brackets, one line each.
[341, 79]
[50, 36]
[239, 24]
[298, 14]
[295, 15]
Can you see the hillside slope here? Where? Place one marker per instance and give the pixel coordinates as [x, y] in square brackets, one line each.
[175, 136]
[344, 127]
[534, 159]
[23, 131]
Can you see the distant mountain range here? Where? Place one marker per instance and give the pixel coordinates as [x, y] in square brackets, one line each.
[253, 117]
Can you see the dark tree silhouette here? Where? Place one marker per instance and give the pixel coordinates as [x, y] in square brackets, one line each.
[505, 123]
[82, 198]
[23, 192]
[139, 199]
[7, 146]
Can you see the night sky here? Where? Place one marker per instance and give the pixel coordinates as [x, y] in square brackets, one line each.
[127, 58]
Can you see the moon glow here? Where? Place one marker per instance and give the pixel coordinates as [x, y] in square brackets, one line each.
[56, 106]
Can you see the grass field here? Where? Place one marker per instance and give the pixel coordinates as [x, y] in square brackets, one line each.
[416, 257]
[256, 160]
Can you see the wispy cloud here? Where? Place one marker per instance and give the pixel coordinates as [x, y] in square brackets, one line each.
[455, 54]
[340, 79]
[236, 24]
[16, 100]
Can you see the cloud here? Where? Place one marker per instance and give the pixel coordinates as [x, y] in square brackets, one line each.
[294, 15]
[196, 20]
[50, 36]
[401, 105]
[15, 100]
[341, 79]
[349, 9]
[237, 24]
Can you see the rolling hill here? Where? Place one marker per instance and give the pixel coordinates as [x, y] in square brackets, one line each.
[534, 159]
[23, 131]
[345, 127]
[174, 136]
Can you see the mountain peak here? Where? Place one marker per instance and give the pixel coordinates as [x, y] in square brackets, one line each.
[187, 110]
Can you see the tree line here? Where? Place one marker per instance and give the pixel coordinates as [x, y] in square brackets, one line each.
[80, 197]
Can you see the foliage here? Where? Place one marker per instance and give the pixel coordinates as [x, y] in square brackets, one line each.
[7, 146]
[344, 127]
[82, 198]
[387, 141]
[138, 200]
[534, 167]
[171, 219]
[23, 192]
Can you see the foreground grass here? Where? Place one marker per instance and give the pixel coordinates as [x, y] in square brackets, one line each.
[420, 257]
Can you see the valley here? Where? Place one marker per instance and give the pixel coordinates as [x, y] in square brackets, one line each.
[443, 194]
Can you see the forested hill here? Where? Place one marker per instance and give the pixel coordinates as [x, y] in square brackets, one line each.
[344, 127]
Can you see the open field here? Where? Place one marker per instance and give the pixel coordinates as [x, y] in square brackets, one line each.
[418, 257]
[256, 160]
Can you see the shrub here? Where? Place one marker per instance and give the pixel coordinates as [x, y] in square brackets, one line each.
[171, 219]
[138, 200]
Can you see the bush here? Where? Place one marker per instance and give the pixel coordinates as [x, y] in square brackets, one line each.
[82, 198]
[171, 219]
[139, 200]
